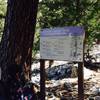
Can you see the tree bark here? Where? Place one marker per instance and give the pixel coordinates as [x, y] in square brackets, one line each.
[17, 40]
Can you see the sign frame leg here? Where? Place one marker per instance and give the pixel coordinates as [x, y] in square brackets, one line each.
[42, 79]
[80, 81]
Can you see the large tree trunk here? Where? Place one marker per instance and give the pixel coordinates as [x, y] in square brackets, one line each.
[17, 40]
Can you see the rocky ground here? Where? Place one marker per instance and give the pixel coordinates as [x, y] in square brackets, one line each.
[61, 80]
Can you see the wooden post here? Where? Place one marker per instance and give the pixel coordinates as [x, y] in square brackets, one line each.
[80, 81]
[42, 79]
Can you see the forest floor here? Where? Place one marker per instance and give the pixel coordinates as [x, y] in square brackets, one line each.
[68, 89]
[64, 87]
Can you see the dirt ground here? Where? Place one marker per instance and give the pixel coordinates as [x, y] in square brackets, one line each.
[69, 90]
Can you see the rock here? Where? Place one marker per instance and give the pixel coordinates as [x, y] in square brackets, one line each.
[91, 98]
[68, 87]
[61, 71]
[76, 86]
[74, 72]
[97, 98]
[49, 94]
[95, 90]
[66, 98]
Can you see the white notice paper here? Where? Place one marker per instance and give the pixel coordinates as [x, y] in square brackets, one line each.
[62, 43]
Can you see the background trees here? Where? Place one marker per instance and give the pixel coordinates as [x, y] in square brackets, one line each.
[2, 15]
[55, 13]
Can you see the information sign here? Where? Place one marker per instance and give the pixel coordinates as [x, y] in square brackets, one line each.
[64, 43]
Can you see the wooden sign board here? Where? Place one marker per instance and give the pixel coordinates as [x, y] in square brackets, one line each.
[64, 43]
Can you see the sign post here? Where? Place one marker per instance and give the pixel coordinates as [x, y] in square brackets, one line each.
[80, 81]
[42, 79]
[64, 43]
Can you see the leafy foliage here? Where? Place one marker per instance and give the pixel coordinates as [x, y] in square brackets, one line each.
[2, 15]
[55, 13]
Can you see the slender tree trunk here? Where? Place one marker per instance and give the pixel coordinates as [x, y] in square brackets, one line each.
[77, 11]
[17, 40]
